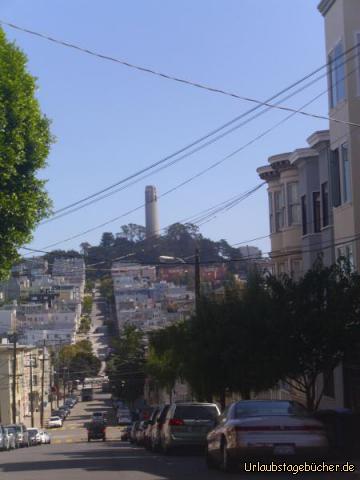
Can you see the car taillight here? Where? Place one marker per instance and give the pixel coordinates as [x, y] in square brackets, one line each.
[176, 422]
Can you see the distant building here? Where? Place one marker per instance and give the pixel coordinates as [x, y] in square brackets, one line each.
[250, 252]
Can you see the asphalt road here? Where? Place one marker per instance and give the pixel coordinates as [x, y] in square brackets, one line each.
[71, 457]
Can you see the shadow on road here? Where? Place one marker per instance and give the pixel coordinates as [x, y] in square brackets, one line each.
[119, 457]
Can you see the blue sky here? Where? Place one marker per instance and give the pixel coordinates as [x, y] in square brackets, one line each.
[110, 121]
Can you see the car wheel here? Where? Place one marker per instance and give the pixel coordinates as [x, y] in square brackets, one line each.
[88, 439]
[227, 463]
[210, 461]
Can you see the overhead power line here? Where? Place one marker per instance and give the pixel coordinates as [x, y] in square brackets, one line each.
[202, 172]
[95, 197]
[180, 185]
[172, 77]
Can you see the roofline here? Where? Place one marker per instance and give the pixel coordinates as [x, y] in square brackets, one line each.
[324, 6]
[302, 153]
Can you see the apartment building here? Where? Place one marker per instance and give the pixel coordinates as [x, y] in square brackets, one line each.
[342, 41]
[29, 361]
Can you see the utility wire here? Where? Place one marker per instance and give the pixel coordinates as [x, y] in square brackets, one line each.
[202, 172]
[58, 213]
[185, 182]
[174, 78]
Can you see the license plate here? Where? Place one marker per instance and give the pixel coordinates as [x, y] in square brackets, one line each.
[284, 450]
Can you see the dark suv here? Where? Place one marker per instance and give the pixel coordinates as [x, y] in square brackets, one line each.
[96, 431]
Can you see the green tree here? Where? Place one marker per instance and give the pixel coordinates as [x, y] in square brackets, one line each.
[107, 240]
[319, 325]
[126, 367]
[133, 232]
[25, 141]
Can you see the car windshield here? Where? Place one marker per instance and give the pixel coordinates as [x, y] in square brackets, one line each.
[54, 418]
[17, 428]
[196, 412]
[32, 432]
[11, 429]
[256, 409]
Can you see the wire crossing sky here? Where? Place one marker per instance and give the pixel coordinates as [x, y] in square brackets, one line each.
[111, 121]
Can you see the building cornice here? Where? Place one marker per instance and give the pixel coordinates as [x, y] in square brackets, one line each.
[318, 137]
[302, 154]
[280, 161]
[325, 5]
[267, 173]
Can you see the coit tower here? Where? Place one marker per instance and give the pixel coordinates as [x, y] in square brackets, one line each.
[151, 212]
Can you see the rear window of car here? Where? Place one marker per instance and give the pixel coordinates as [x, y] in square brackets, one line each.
[195, 412]
[163, 413]
[256, 409]
[54, 418]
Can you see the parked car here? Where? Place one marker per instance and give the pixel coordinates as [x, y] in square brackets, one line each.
[3, 439]
[34, 436]
[99, 417]
[21, 434]
[70, 402]
[155, 441]
[187, 424]
[150, 426]
[268, 428]
[10, 439]
[65, 409]
[44, 437]
[123, 416]
[59, 413]
[125, 435]
[96, 431]
[140, 432]
[55, 422]
[133, 431]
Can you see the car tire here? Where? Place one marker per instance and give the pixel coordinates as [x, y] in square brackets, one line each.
[227, 463]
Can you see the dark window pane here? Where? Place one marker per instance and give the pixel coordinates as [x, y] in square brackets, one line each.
[325, 203]
[255, 409]
[304, 215]
[193, 412]
[316, 212]
[335, 177]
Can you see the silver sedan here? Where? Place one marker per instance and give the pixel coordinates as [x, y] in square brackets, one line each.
[262, 429]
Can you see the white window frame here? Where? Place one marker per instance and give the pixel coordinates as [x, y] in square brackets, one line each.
[291, 205]
[280, 210]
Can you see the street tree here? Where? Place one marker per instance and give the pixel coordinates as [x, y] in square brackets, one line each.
[25, 141]
[319, 324]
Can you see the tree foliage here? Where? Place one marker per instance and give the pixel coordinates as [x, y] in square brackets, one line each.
[25, 141]
[125, 369]
[275, 330]
[78, 360]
